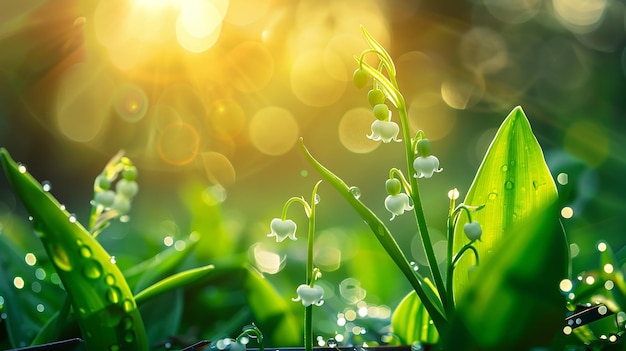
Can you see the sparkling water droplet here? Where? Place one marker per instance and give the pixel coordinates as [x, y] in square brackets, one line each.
[85, 251]
[128, 305]
[317, 199]
[355, 191]
[21, 168]
[30, 218]
[112, 260]
[113, 294]
[92, 269]
[109, 279]
[244, 340]
[331, 343]
[508, 185]
[62, 207]
[72, 218]
[417, 346]
[46, 186]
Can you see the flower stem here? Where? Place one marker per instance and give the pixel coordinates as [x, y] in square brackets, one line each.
[310, 270]
[417, 205]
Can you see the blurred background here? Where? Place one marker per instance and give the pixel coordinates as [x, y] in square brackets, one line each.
[209, 97]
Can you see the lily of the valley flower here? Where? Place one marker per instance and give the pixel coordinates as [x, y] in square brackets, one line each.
[472, 230]
[386, 131]
[425, 166]
[310, 295]
[282, 229]
[397, 204]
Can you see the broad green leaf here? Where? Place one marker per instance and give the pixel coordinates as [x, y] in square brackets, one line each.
[512, 182]
[104, 305]
[425, 291]
[514, 301]
[410, 322]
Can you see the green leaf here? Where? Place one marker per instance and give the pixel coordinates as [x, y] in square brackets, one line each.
[104, 305]
[161, 265]
[410, 322]
[175, 281]
[513, 301]
[270, 310]
[512, 182]
[386, 59]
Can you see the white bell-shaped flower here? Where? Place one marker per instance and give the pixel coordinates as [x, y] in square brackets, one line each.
[282, 229]
[397, 204]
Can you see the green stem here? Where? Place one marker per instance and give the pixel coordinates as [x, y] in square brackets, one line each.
[310, 270]
[417, 205]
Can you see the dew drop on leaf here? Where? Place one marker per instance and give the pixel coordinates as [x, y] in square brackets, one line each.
[355, 191]
[21, 168]
[46, 186]
[508, 185]
[92, 269]
[113, 294]
[504, 168]
[492, 195]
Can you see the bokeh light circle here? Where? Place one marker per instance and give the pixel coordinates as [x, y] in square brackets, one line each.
[273, 130]
[225, 119]
[252, 65]
[354, 125]
[428, 112]
[178, 143]
[312, 83]
[219, 169]
[131, 103]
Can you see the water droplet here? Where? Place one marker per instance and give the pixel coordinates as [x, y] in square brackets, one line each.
[355, 191]
[415, 266]
[492, 196]
[109, 279]
[602, 310]
[30, 218]
[244, 340]
[46, 186]
[512, 163]
[504, 168]
[124, 218]
[60, 258]
[41, 307]
[62, 207]
[567, 330]
[21, 168]
[129, 336]
[331, 343]
[317, 198]
[114, 347]
[128, 305]
[112, 260]
[127, 323]
[92, 269]
[113, 294]
[508, 185]
[85, 251]
[72, 218]
[417, 346]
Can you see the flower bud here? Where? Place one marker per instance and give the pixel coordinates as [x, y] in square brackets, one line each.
[129, 173]
[360, 78]
[375, 97]
[393, 186]
[472, 230]
[381, 112]
[283, 229]
[423, 147]
[127, 188]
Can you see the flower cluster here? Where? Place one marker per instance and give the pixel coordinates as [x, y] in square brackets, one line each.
[114, 189]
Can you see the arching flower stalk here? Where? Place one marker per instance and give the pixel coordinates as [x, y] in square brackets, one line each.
[472, 230]
[309, 293]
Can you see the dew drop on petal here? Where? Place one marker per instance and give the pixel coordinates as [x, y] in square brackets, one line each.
[355, 191]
